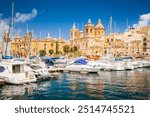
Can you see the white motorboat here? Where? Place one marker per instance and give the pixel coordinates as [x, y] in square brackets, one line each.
[109, 63]
[117, 66]
[59, 62]
[81, 65]
[39, 68]
[16, 72]
[137, 64]
[39, 72]
[146, 63]
[94, 64]
[129, 65]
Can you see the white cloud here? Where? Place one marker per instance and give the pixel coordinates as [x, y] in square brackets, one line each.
[3, 27]
[144, 20]
[22, 17]
[19, 18]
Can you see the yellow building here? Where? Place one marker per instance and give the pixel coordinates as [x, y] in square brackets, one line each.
[30, 46]
[134, 42]
[90, 41]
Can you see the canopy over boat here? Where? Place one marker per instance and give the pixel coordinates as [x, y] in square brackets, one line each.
[48, 61]
[80, 61]
[7, 57]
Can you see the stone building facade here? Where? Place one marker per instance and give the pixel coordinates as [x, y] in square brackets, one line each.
[90, 41]
[22, 46]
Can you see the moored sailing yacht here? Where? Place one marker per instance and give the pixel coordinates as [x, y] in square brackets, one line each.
[13, 72]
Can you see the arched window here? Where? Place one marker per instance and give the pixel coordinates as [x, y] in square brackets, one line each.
[86, 30]
[91, 30]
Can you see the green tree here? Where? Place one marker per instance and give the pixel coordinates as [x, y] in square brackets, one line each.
[75, 48]
[71, 49]
[42, 52]
[66, 48]
[51, 51]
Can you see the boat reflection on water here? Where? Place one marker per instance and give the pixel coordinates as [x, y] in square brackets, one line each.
[106, 85]
[16, 91]
[86, 86]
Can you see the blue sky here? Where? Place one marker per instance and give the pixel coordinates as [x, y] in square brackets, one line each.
[55, 14]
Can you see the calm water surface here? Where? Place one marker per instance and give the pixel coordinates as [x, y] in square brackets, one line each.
[107, 85]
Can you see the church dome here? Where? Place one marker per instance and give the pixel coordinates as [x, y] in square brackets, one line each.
[99, 25]
[89, 23]
[18, 36]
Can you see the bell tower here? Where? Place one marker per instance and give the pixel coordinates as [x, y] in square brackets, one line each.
[74, 32]
[99, 29]
[89, 29]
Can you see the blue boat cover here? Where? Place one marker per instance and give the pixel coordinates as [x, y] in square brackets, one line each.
[7, 57]
[81, 61]
[32, 57]
[48, 61]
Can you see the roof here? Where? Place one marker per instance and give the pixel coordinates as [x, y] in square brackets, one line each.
[99, 25]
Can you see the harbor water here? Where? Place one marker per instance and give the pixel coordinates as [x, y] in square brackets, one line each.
[114, 85]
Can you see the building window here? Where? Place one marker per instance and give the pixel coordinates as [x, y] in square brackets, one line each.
[86, 30]
[144, 44]
[144, 39]
[91, 30]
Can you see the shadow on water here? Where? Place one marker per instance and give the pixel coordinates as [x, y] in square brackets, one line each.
[107, 85]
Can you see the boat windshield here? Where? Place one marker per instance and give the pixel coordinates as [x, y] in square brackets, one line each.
[34, 67]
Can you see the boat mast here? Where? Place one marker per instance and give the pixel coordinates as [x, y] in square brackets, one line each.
[110, 28]
[12, 20]
[9, 30]
[59, 33]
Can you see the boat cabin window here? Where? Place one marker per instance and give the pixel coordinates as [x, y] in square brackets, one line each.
[18, 68]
